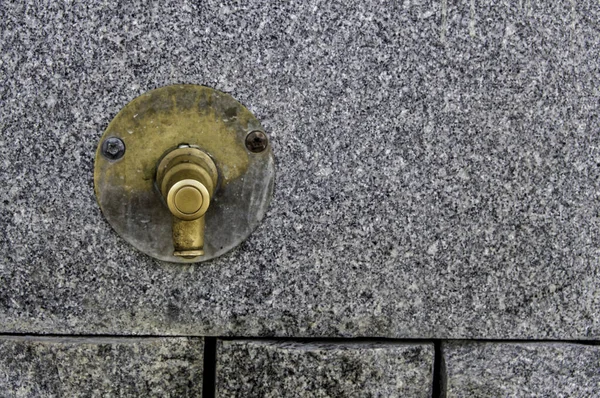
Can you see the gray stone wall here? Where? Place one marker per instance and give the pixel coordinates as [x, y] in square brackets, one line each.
[474, 369]
[278, 369]
[100, 367]
[437, 178]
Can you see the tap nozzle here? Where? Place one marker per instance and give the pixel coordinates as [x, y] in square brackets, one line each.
[187, 179]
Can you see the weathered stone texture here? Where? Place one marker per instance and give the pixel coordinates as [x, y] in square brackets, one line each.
[437, 175]
[32, 367]
[277, 369]
[521, 370]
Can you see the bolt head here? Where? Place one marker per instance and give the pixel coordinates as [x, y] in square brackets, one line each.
[257, 141]
[113, 148]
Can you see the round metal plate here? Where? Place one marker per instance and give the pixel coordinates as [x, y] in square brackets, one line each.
[154, 124]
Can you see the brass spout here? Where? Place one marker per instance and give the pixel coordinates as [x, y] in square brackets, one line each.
[187, 178]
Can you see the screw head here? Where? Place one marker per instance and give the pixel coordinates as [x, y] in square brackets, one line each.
[113, 148]
[257, 141]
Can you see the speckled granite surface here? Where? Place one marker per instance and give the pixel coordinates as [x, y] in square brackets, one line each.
[276, 369]
[100, 367]
[521, 369]
[437, 168]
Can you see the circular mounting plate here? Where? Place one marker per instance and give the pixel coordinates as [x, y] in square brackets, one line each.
[159, 121]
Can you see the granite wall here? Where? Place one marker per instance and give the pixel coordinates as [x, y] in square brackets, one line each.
[438, 170]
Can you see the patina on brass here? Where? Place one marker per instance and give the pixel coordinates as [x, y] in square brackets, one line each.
[187, 188]
[187, 178]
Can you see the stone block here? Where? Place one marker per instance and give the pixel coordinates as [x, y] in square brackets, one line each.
[98, 366]
[250, 368]
[437, 168]
[521, 369]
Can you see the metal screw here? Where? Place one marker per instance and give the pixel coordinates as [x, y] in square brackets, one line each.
[113, 148]
[257, 141]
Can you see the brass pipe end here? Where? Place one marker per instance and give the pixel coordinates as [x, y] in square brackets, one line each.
[188, 237]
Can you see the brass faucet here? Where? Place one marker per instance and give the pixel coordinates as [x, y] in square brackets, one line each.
[187, 178]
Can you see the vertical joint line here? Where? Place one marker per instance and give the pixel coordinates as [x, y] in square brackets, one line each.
[439, 378]
[210, 367]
